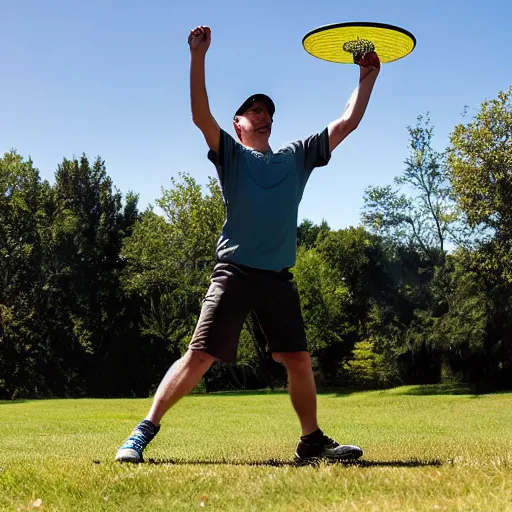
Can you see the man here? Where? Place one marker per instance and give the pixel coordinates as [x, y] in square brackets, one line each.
[262, 191]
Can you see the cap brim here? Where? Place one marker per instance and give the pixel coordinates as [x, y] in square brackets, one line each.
[253, 99]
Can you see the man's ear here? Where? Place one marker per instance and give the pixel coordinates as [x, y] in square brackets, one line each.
[236, 126]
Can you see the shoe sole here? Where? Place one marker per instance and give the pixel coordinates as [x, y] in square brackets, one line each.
[305, 460]
[129, 455]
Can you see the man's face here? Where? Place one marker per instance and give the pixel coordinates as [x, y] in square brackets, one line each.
[254, 122]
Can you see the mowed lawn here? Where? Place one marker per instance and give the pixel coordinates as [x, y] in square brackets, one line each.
[424, 450]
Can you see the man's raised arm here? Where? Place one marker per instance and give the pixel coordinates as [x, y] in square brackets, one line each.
[357, 103]
[199, 42]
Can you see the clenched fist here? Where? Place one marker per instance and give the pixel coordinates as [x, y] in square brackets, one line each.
[370, 59]
[199, 39]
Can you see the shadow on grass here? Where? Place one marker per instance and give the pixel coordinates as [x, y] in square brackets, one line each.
[421, 390]
[438, 389]
[413, 463]
[244, 392]
[475, 391]
[276, 391]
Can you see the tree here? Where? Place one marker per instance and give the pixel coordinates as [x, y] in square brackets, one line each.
[307, 233]
[425, 215]
[324, 301]
[417, 218]
[359, 259]
[480, 159]
[23, 227]
[169, 260]
[87, 317]
[338, 279]
[366, 369]
[401, 315]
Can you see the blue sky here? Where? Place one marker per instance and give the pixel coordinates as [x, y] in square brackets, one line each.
[110, 78]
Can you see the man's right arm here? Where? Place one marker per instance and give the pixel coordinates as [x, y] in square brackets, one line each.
[199, 42]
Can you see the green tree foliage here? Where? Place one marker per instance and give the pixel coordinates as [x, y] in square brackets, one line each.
[398, 320]
[480, 158]
[324, 297]
[338, 280]
[169, 259]
[307, 233]
[97, 299]
[88, 227]
[462, 330]
[418, 211]
[324, 300]
[417, 218]
[359, 258]
[365, 368]
[23, 230]
[60, 246]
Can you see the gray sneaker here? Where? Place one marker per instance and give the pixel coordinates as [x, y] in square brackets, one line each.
[326, 448]
[131, 450]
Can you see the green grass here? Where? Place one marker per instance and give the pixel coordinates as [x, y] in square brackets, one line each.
[424, 450]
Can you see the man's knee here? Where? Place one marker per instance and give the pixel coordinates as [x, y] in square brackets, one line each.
[295, 359]
[277, 357]
[198, 359]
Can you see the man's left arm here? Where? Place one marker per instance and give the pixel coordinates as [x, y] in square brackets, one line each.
[355, 108]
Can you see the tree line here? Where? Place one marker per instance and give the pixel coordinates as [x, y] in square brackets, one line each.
[98, 298]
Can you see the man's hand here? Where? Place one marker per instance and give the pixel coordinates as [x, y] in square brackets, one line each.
[368, 63]
[199, 42]
[369, 66]
[199, 39]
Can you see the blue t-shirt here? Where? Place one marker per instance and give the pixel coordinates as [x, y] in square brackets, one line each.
[262, 192]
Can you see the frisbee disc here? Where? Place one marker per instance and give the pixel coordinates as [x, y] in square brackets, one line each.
[338, 42]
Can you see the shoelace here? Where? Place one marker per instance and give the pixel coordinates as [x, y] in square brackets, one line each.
[330, 442]
[139, 438]
[137, 441]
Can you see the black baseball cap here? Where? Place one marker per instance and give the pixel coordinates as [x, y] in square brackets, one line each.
[253, 99]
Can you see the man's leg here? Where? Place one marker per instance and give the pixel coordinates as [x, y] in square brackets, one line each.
[280, 318]
[313, 444]
[181, 378]
[224, 309]
[301, 386]
[279, 314]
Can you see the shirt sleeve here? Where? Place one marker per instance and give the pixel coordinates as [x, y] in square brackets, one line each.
[225, 160]
[316, 151]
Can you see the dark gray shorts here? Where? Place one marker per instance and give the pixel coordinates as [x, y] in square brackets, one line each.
[236, 290]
